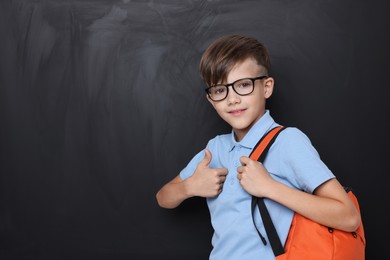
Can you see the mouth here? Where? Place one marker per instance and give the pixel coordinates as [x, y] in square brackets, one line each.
[237, 112]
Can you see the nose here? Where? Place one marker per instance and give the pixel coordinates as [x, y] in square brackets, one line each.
[232, 97]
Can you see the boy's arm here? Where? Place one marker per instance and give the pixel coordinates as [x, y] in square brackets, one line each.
[173, 193]
[329, 205]
[205, 182]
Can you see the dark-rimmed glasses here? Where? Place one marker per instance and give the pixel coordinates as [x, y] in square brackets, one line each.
[242, 87]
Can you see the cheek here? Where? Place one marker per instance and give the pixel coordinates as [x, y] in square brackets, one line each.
[220, 113]
[218, 108]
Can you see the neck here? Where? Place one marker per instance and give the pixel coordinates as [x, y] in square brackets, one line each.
[239, 134]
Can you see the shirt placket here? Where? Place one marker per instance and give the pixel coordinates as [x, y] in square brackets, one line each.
[235, 162]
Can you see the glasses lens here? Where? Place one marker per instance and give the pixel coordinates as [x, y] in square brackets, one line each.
[243, 86]
[218, 92]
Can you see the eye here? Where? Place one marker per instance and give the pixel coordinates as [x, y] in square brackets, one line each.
[218, 90]
[242, 84]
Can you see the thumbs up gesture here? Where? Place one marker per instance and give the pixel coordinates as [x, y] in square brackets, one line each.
[206, 181]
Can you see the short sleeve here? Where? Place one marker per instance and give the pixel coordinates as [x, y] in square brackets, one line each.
[302, 161]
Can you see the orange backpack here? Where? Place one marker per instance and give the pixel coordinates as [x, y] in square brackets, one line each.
[307, 240]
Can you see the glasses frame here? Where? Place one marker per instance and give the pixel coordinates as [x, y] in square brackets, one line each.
[232, 85]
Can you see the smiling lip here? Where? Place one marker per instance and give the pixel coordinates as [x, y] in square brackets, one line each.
[237, 112]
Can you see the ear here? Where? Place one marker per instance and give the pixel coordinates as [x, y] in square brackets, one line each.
[268, 87]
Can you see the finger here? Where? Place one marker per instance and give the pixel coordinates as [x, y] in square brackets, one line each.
[222, 172]
[244, 160]
[223, 178]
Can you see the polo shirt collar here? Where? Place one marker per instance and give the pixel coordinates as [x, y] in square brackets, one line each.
[261, 127]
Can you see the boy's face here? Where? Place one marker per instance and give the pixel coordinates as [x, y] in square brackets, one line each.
[241, 112]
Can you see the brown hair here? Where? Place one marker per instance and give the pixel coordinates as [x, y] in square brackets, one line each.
[225, 52]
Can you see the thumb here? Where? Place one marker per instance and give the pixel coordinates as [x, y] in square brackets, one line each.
[244, 160]
[207, 158]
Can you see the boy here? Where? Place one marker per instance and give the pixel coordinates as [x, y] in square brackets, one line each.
[293, 177]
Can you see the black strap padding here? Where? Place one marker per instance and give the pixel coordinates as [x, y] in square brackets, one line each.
[254, 202]
[273, 237]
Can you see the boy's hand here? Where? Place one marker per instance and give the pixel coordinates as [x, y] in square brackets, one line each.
[206, 181]
[253, 177]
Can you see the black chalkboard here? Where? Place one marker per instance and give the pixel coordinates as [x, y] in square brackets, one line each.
[101, 103]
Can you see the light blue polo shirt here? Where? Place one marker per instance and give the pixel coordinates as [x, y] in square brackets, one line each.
[291, 160]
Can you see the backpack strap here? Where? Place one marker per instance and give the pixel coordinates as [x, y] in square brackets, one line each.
[259, 153]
